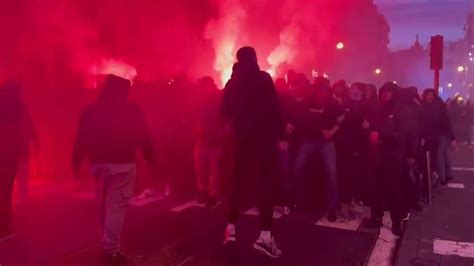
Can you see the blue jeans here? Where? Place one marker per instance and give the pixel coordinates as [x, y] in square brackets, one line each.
[326, 150]
[115, 188]
[443, 163]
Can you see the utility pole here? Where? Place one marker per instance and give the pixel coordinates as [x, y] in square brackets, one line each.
[436, 62]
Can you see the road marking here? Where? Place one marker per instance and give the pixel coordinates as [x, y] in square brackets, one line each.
[384, 250]
[456, 185]
[143, 202]
[470, 169]
[185, 261]
[360, 213]
[446, 247]
[187, 205]
[255, 212]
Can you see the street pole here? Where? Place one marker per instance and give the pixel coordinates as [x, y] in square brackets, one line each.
[436, 80]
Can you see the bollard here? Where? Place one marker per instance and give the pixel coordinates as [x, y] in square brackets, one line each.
[429, 172]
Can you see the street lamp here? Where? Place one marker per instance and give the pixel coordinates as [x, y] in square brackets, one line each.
[460, 69]
[340, 45]
[378, 71]
[450, 85]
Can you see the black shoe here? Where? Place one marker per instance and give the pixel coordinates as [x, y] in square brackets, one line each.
[211, 203]
[116, 259]
[449, 179]
[332, 216]
[374, 223]
[397, 229]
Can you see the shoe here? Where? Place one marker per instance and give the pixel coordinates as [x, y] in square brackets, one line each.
[374, 223]
[229, 236]
[211, 203]
[449, 179]
[348, 216]
[116, 259]
[397, 229]
[269, 249]
[147, 193]
[6, 236]
[286, 210]
[332, 217]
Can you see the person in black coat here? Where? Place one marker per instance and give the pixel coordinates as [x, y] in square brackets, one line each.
[252, 113]
[392, 133]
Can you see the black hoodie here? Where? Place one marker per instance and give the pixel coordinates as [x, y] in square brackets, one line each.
[112, 129]
[251, 105]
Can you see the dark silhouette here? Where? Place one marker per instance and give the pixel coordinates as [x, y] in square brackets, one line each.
[251, 109]
[109, 134]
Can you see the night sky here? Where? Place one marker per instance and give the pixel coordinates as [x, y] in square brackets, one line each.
[424, 17]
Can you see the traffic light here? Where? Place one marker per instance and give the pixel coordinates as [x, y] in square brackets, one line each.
[437, 46]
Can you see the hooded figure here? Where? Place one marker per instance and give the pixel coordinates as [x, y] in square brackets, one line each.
[392, 131]
[251, 110]
[109, 134]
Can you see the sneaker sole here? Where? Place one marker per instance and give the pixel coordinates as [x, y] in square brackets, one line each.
[265, 252]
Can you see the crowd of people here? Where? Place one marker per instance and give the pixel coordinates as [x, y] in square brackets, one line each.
[366, 146]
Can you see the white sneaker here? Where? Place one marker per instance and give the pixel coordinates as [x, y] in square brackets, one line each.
[147, 193]
[269, 249]
[229, 236]
[286, 210]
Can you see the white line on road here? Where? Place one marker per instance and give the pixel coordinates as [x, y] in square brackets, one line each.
[187, 205]
[142, 202]
[456, 185]
[360, 213]
[446, 247]
[384, 250]
[470, 169]
[185, 261]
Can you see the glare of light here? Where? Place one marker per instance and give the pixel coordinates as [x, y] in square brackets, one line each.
[395, 82]
[272, 72]
[378, 71]
[326, 76]
[470, 84]
[112, 67]
[470, 54]
[450, 85]
[340, 45]
[460, 68]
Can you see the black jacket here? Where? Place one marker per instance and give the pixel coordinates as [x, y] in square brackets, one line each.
[435, 121]
[251, 105]
[112, 133]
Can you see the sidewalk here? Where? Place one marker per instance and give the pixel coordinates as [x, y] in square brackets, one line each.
[443, 234]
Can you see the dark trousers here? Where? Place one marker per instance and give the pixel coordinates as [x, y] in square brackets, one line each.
[352, 173]
[389, 188]
[7, 177]
[255, 169]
